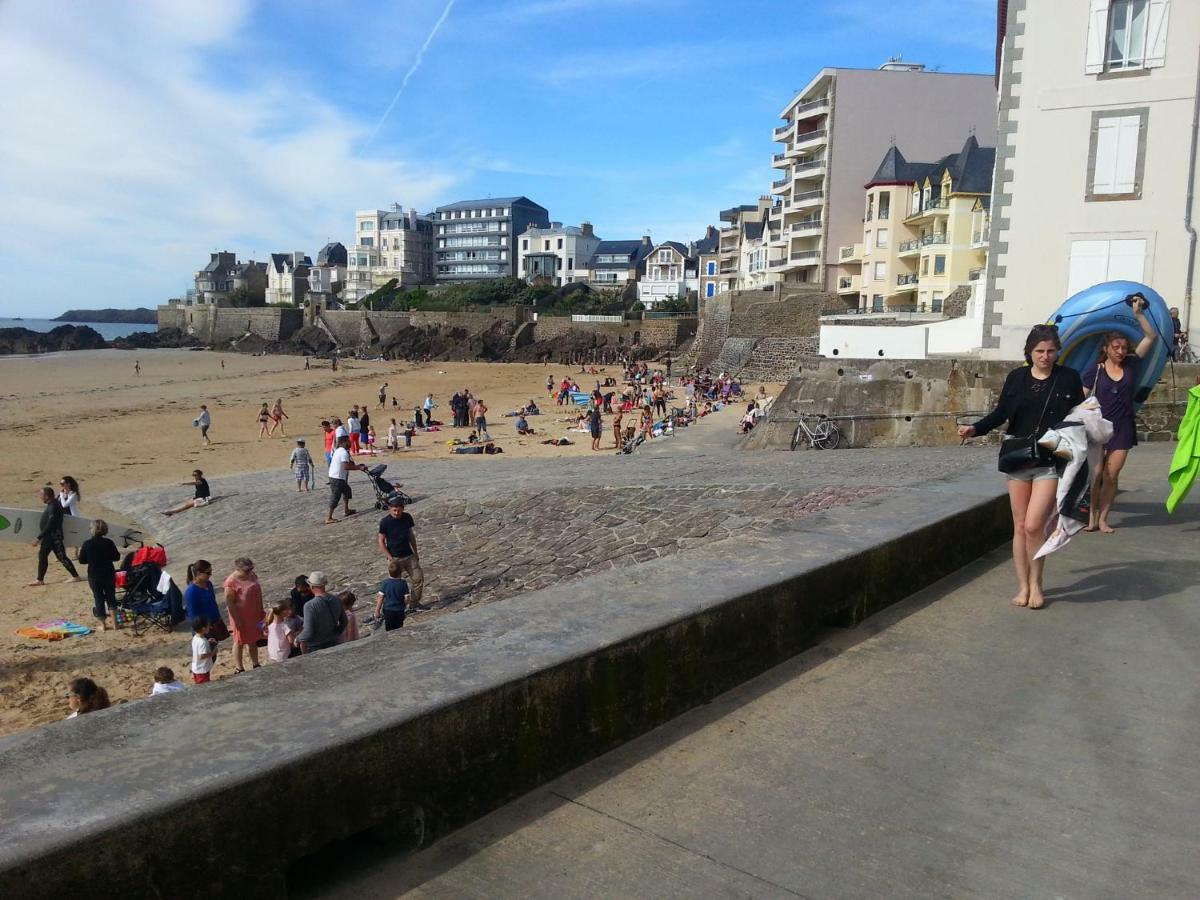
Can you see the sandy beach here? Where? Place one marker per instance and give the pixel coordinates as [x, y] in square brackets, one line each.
[88, 415]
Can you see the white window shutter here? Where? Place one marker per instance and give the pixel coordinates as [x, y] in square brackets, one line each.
[1156, 33]
[1089, 265]
[1126, 260]
[1105, 175]
[1096, 37]
[1125, 179]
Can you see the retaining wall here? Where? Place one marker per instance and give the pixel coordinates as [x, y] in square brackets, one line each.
[647, 332]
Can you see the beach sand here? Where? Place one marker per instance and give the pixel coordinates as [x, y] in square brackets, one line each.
[87, 414]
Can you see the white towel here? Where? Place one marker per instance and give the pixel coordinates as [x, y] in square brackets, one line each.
[1079, 439]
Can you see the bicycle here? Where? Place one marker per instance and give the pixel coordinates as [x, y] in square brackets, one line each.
[823, 435]
[1184, 352]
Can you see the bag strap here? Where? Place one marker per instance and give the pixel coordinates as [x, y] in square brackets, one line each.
[1046, 405]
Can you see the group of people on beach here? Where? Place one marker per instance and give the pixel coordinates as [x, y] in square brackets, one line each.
[1039, 394]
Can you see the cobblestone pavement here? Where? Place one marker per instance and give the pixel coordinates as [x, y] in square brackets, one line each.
[489, 528]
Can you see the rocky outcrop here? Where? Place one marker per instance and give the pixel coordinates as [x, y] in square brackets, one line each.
[155, 340]
[64, 337]
[139, 316]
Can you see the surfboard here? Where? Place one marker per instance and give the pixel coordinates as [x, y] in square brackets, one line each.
[1085, 318]
[24, 525]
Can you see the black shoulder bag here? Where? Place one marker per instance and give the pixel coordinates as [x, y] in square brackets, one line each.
[1028, 454]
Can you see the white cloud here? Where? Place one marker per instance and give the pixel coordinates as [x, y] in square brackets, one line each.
[126, 161]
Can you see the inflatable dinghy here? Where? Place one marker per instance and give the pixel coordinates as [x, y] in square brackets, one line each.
[1084, 319]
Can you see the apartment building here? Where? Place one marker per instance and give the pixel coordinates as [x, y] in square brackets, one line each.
[743, 245]
[287, 277]
[671, 271]
[395, 243]
[555, 253]
[924, 232]
[831, 134]
[617, 264]
[328, 277]
[708, 253]
[1096, 166]
[477, 239]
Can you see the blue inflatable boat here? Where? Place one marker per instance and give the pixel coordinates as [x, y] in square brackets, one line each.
[1084, 319]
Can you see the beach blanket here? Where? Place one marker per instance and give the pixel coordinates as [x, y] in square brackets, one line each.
[579, 398]
[54, 630]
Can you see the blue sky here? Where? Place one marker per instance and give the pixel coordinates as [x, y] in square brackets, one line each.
[141, 136]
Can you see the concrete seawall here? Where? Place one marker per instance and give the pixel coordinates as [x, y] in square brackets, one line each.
[421, 731]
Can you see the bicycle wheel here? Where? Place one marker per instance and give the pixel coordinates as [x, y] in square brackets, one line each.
[826, 436]
[796, 437]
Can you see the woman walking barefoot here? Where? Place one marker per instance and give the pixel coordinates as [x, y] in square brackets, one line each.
[263, 417]
[50, 538]
[1034, 397]
[243, 599]
[1112, 382]
[277, 417]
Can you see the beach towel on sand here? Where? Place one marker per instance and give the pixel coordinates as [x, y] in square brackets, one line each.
[54, 630]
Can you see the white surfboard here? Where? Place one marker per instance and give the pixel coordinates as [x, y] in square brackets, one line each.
[24, 524]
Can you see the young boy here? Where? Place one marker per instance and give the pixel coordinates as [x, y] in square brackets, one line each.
[301, 594]
[300, 463]
[204, 651]
[391, 602]
[165, 682]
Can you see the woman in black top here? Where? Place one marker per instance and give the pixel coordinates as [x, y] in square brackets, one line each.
[1034, 398]
[201, 496]
[50, 538]
[98, 553]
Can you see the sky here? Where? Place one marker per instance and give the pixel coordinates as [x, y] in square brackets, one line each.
[141, 136]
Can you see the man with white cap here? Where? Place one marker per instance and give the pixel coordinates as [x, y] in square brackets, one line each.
[324, 617]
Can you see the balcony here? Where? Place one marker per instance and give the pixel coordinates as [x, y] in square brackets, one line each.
[805, 199]
[935, 238]
[848, 284]
[779, 159]
[727, 270]
[907, 281]
[811, 108]
[806, 257]
[809, 168]
[781, 133]
[909, 247]
[851, 254]
[940, 206]
[782, 184]
[776, 263]
[804, 138]
[976, 274]
[810, 225]
[979, 239]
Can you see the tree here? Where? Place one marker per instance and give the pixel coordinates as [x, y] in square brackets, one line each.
[244, 298]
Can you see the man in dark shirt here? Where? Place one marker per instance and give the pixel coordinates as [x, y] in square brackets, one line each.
[398, 541]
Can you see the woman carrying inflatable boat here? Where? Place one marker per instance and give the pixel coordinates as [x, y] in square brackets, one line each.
[1113, 380]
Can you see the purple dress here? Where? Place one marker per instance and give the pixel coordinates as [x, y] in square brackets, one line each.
[1116, 401]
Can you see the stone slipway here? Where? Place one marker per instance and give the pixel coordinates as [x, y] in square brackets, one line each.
[192, 794]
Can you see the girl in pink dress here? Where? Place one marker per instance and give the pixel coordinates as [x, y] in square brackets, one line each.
[243, 599]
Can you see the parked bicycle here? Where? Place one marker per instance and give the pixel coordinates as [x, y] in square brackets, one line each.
[1184, 352]
[818, 431]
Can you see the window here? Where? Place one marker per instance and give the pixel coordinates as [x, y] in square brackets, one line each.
[366, 226]
[881, 237]
[877, 303]
[560, 243]
[939, 265]
[915, 205]
[546, 242]
[1116, 158]
[937, 301]
[867, 243]
[885, 204]
[870, 207]
[524, 245]
[924, 265]
[1126, 34]
[925, 194]
[570, 262]
[881, 271]
[664, 255]
[710, 289]
[1095, 261]
[711, 269]
[367, 242]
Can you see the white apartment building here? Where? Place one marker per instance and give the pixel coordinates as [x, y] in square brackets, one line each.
[742, 247]
[556, 253]
[671, 271]
[1096, 164]
[328, 277]
[833, 133]
[388, 244]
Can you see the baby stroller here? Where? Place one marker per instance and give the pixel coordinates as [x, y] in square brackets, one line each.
[384, 489]
[148, 597]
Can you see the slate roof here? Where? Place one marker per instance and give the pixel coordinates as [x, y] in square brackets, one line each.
[709, 243]
[282, 262]
[633, 251]
[753, 230]
[332, 254]
[490, 201]
[970, 169]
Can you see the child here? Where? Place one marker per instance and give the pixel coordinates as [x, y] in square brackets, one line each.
[165, 682]
[300, 463]
[350, 633]
[301, 594]
[371, 439]
[392, 600]
[280, 637]
[204, 651]
[392, 442]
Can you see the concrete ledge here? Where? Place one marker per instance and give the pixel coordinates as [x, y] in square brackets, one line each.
[194, 794]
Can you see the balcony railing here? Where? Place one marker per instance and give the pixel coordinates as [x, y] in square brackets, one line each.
[804, 198]
[808, 164]
[778, 157]
[976, 274]
[779, 185]
[909, 246]
[846, 253]
[907, 279]
[806, 256]
[782, 131]
[809, 224]
[777, 262]
[935, 238]
[811, 104]
[805, 136]
[846, 283]
[982, 236]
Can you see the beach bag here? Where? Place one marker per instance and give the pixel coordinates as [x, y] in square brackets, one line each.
[1024, 453]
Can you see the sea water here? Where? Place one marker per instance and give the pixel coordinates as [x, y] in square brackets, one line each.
[108, 330]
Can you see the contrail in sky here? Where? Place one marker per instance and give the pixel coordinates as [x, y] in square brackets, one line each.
[409, 74]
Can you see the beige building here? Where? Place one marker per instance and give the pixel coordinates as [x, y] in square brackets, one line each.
[1096, 165]
[831, 134]
[397, 243]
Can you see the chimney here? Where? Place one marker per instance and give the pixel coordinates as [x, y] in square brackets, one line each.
[711, 232]
[586, 229]
[556, 225]
[646, 241]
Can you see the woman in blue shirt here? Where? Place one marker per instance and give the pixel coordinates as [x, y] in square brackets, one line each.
[200, 598]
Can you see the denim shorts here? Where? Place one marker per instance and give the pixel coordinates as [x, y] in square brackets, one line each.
[1036, 473]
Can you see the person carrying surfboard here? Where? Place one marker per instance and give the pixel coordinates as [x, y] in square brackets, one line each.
[1113, 380]
[50, 539]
